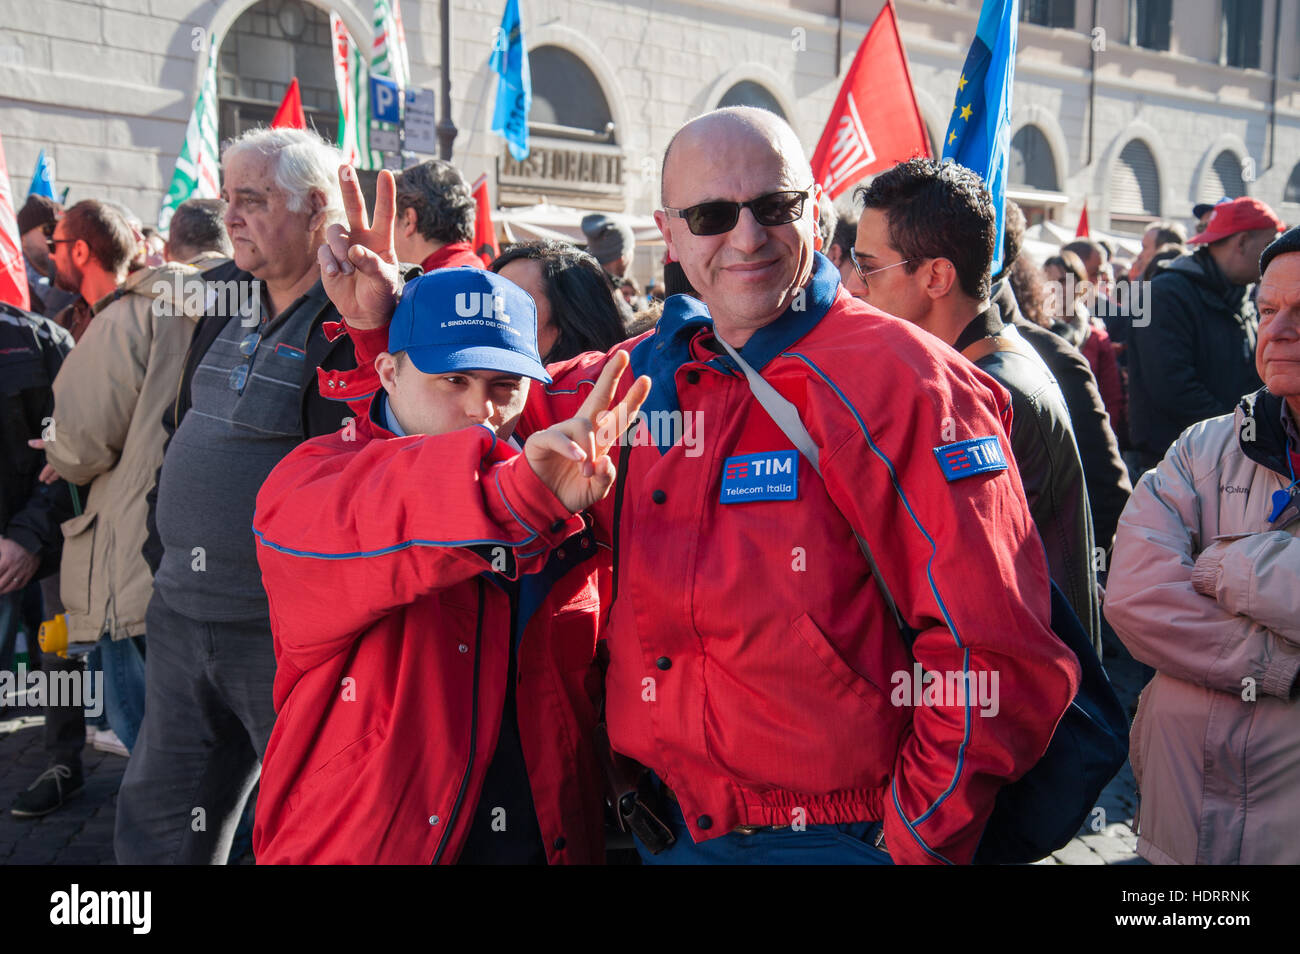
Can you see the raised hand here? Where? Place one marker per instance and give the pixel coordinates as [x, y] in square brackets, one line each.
[572, 457]
[357, 263]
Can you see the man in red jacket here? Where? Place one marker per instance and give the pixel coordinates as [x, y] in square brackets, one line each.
[432, 705]
[754, 665]
[435, 217]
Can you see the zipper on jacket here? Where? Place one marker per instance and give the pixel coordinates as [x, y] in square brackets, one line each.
[473, 731]
[624, 465]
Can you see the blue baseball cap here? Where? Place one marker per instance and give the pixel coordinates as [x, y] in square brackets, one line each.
[463, 319]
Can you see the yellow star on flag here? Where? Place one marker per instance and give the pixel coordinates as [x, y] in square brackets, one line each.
[952, 137]
[966, 112]
[961, 83]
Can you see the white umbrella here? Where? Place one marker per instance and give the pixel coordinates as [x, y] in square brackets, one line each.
[565, 224]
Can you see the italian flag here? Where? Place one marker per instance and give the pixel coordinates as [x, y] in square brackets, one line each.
[388, 52]
[353, 84]
[197, 174]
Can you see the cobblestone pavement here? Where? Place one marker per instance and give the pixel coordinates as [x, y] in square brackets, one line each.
[81, 833]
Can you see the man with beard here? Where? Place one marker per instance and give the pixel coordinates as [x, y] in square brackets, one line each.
[90, 250]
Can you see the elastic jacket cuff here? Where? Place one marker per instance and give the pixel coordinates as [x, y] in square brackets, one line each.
[532, 504]
[1207, 570]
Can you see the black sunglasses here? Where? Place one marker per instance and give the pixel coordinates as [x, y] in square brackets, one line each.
[715, 218]
[52, 243]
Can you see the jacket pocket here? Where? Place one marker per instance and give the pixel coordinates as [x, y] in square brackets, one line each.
[275, 379]
[77, 563]
[334, 767]
[786, 711]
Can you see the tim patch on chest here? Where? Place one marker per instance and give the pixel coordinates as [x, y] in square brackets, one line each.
[773, 475]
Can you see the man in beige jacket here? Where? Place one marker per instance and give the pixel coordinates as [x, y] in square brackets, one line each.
[1203, 587]
[90, 249]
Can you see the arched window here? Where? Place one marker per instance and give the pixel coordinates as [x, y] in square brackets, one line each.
[1032, 163]
[568, 102]
[1292, 193]
[574, 155]
[272, 42]
[748, 93]
[1222, 178]
[1134, 188]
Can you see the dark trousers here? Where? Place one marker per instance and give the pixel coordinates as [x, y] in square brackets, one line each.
[65, 726]
[847, 844]
[207, 720]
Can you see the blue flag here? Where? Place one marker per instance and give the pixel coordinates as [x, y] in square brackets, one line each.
[979, 133]
[515, 86]
[43, 177]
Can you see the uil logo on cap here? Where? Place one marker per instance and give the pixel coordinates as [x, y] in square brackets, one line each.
[484, 304]
[459, 319]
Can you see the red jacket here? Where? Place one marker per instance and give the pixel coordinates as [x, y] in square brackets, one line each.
[1099, 350]
[451, 256]
[391, 648]
[753, 663]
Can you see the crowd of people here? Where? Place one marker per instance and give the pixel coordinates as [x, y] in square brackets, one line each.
[387, 556]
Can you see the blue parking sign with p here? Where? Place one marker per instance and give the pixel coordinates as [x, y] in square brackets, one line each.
[385, 103]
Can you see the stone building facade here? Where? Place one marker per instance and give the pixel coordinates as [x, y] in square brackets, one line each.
[1144, 111]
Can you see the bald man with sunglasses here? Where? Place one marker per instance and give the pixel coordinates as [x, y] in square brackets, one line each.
[751, 652]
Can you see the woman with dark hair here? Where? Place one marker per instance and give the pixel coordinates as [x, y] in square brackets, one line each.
[575, 304]
[1076, 325]
[1026, 280]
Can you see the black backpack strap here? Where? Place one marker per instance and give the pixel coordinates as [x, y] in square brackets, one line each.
[620, 481]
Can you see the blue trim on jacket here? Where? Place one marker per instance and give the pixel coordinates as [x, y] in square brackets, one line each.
[929, 573]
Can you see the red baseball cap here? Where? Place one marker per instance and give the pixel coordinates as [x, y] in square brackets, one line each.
[1243, 214]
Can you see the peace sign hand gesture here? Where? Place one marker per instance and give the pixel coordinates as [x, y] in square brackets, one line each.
[572, 457]
[357, 263]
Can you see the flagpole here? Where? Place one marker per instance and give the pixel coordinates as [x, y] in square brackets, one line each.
[839, 35]
[446, 127]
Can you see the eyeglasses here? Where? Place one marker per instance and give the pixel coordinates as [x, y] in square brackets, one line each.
[715, 218]
[52, 243]
[248, 348]
[857, 266]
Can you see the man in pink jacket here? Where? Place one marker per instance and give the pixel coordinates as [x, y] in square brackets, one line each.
[1203, 588]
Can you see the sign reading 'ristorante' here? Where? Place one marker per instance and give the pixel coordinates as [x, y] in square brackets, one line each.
[563, 171]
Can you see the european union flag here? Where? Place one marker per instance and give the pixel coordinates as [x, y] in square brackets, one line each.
[979, 133]
[515, 86]
[43, 177]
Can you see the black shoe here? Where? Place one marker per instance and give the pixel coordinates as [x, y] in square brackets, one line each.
[52, 788]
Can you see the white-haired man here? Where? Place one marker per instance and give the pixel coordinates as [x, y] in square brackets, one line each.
[250, 377]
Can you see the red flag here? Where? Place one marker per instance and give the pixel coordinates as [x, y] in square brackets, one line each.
[290, 113]
[875, 122]
[485, 233]
[1082, 230]
[13, 273]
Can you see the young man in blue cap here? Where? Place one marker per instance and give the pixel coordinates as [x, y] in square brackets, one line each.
[432, 704]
